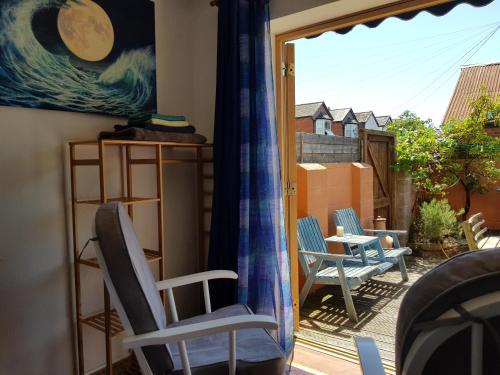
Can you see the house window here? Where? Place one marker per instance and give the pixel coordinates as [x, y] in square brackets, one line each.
[351, 130]
[320, 127]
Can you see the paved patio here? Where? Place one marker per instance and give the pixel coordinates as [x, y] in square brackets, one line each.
[323, 318]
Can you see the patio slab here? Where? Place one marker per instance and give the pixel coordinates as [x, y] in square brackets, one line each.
[323, 318]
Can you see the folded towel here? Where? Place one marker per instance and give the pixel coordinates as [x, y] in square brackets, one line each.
[161, 128]
[142, 119]
[158, 121]
[139, 134]
[167, 117]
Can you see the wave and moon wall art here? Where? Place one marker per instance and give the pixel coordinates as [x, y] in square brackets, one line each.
[94, 56]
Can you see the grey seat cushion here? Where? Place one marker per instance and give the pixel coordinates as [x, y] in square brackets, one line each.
[256, 351]
[453, 282]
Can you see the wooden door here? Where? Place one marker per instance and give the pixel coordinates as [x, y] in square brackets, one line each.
[378, 151]
[285, 93]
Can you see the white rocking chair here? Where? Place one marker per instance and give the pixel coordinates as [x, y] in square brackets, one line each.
[229, 340]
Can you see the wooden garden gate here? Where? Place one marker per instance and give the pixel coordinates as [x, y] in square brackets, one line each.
[377, 149]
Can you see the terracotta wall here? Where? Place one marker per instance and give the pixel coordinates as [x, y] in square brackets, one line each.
[487, 203]
[305, 125]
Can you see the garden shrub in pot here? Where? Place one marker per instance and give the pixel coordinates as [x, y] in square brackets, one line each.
[437, 221]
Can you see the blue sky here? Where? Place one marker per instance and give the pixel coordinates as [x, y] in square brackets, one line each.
[398, 65]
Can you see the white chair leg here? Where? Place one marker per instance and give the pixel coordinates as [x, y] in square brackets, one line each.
[184, 358]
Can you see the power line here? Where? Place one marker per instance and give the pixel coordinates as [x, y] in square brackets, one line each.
[407, 51]
[401, 68]
[475, 48]
[453, 72]
[406, 42]
[410, 66]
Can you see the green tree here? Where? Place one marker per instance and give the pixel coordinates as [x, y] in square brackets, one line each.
[472, 156]
[419, 149]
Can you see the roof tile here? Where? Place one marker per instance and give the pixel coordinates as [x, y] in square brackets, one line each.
[468, 87]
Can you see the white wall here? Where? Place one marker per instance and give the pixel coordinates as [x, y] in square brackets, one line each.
[371, 123]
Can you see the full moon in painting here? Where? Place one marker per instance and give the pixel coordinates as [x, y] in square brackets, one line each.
[86, 29]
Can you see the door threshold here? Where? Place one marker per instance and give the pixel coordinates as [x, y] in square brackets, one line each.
[340, 353]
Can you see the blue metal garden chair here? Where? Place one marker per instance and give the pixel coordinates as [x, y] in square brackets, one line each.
[347, 218]
[321, 267]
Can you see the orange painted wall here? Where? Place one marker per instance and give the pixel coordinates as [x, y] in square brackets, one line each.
[304, 125]
[324, 188]
[487, 203]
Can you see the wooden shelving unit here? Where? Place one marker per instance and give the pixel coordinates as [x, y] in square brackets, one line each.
[107, 321]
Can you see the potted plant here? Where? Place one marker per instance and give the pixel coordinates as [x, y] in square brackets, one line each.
[437, 222]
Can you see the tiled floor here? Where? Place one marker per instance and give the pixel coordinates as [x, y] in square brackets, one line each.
[318, 363]
[324, 318]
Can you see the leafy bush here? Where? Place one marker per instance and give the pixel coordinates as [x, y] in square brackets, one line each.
[437, 221]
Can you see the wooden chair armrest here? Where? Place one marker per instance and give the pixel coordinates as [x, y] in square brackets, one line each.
[369, 357]
[194, 330]
[195, 278]
[328, 256]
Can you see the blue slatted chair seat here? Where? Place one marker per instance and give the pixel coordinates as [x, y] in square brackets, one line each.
[391, 255]
[357, 262]
[347, 218]
[362, 273]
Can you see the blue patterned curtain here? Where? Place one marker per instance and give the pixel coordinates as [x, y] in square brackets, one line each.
[248, 233]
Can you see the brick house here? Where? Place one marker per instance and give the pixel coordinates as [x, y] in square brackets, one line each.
[313, 118]
[344, 122]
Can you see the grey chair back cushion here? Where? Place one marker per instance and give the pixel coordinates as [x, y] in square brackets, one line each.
[453, 282]
[132, 279]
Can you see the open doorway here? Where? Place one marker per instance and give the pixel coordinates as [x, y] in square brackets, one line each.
[334, 109]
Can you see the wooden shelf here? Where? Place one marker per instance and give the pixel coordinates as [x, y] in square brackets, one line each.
[118, 142]
[85, 162]
[183, 161]
[124, 200]
[163, 155]
[98, 322]
[151, 256]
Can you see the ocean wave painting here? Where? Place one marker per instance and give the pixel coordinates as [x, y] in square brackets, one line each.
[94, 56]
